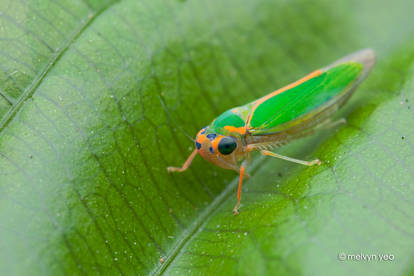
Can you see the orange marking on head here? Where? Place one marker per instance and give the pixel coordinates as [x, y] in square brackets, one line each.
[289, 86]
[215, 142]
[241, 130]
[201, 138]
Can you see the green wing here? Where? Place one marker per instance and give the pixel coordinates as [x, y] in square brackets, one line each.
[309, 98]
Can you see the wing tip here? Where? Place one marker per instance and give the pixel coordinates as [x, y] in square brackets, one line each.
[366, 57]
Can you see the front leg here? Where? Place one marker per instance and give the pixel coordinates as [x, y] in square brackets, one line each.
[242, 172]
[186, 164]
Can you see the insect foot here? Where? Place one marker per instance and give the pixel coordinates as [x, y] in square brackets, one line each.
[316, 162]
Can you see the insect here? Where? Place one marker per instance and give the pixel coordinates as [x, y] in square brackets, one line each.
[291, 112]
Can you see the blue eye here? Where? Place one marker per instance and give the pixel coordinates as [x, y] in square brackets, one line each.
[211, 136]
[198, 145]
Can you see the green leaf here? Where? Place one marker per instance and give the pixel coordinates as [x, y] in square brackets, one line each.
[97, 98]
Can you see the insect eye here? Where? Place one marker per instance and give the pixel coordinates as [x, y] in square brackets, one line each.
[227, 145]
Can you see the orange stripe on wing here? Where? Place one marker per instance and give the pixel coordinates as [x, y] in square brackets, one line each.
[274, 93]
[241, 130]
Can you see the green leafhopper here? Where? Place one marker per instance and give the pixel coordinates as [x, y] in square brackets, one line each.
[291, 112]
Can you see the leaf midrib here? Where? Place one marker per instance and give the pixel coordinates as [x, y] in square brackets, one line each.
[29, 90]
[189, 233]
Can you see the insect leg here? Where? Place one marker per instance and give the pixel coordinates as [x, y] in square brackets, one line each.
[242, 171]
[306, 163]
[186, 164]
[330, 124]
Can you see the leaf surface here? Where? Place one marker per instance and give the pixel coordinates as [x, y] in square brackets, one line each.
[97, 99]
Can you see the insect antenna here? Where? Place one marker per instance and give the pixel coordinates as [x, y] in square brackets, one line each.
[164, 106]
